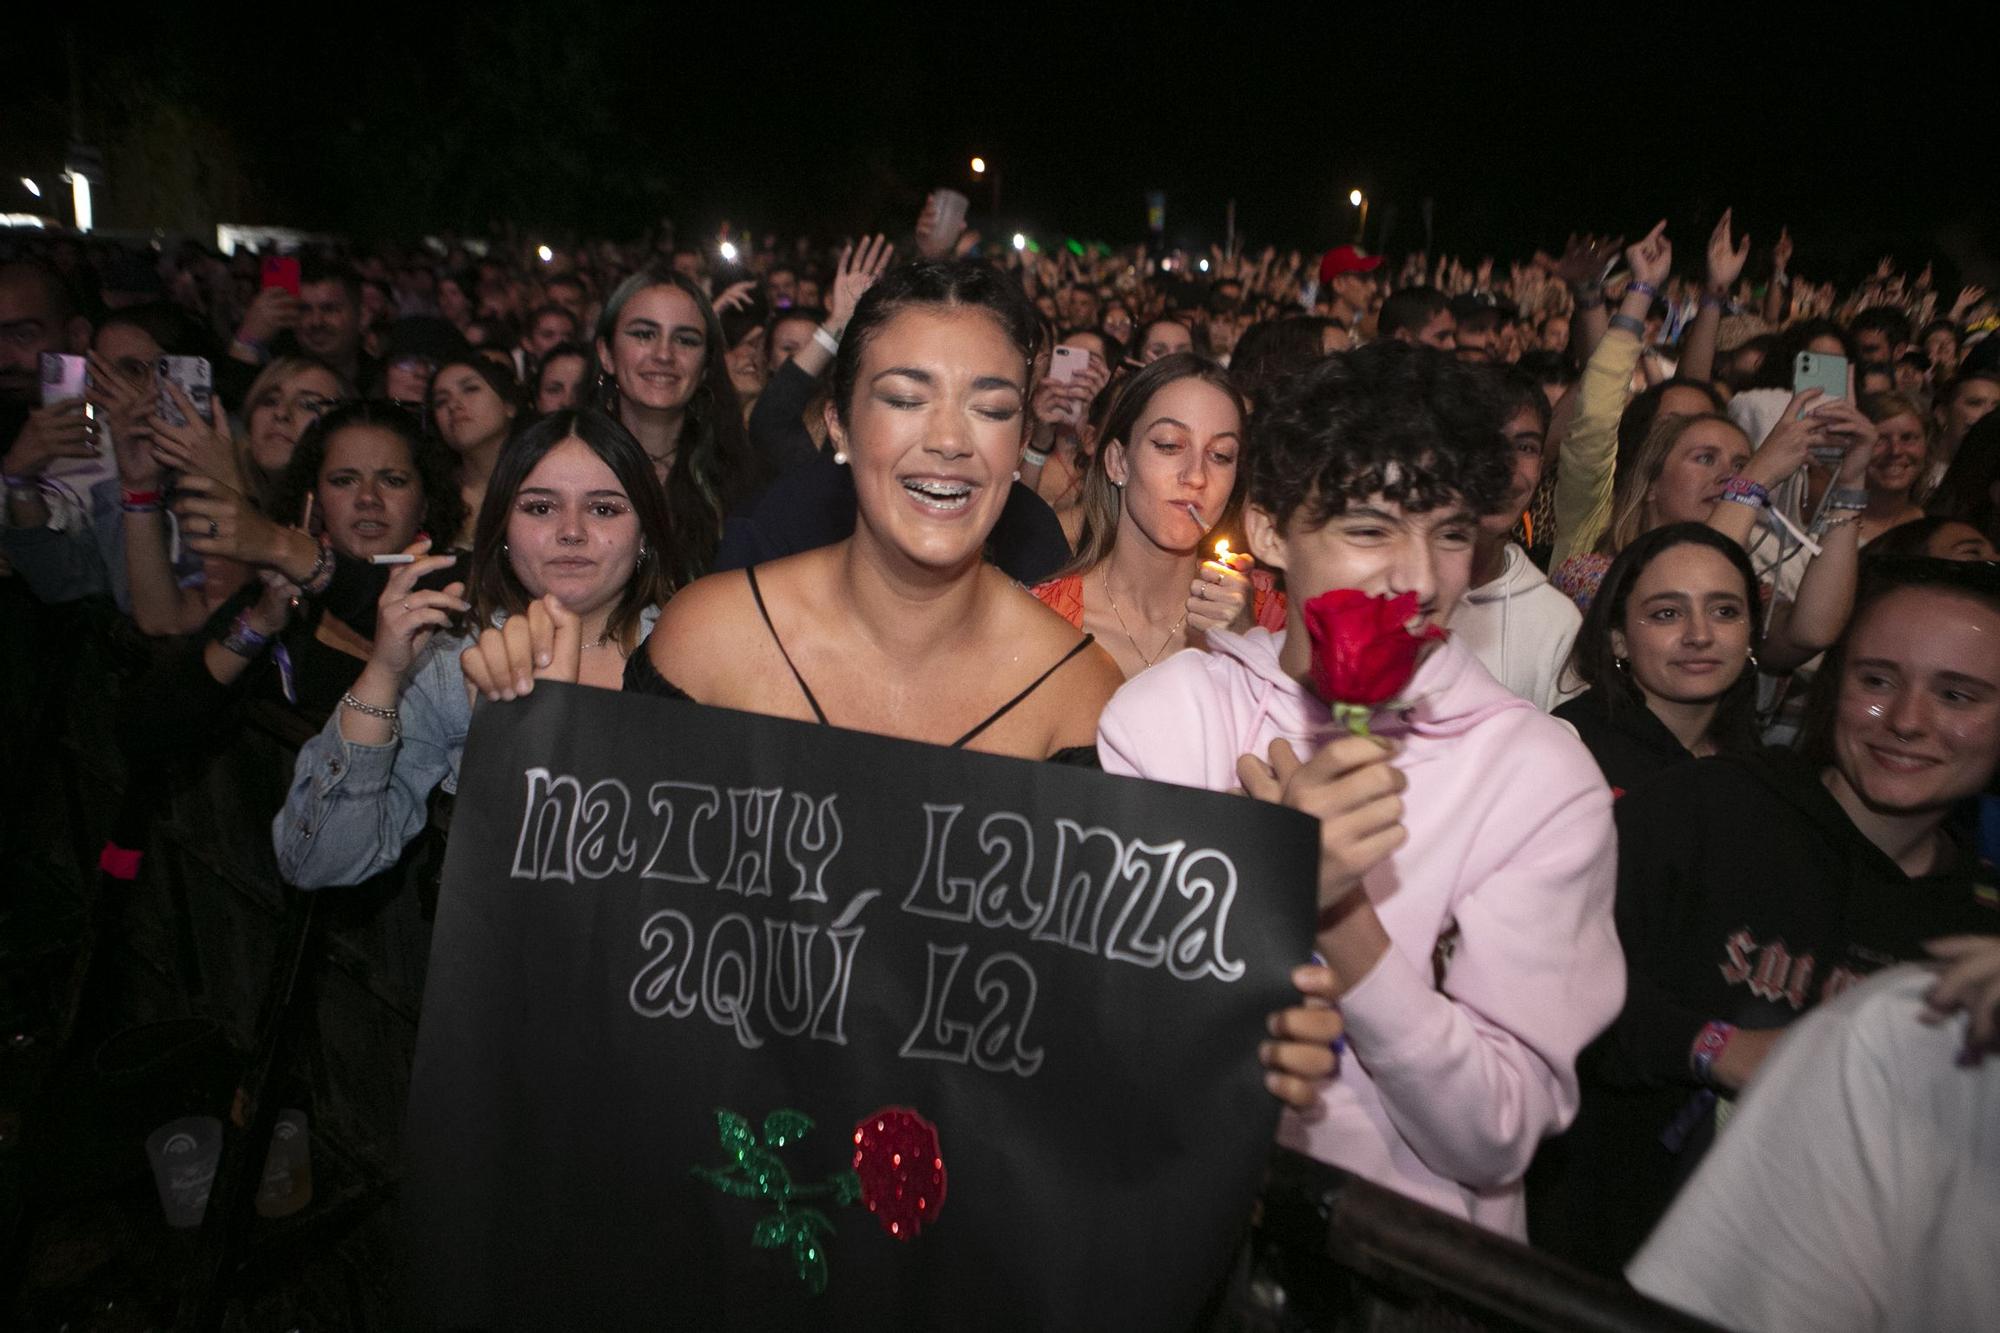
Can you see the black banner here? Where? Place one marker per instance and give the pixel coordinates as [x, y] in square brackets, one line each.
[740, 1022]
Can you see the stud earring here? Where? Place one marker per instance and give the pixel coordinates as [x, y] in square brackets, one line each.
[840, 457]
[1017, 474]
[1623, 664]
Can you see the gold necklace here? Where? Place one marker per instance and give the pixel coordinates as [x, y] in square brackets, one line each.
[1113, 602]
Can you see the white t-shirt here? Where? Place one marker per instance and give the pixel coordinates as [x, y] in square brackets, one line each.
[1856, 1187]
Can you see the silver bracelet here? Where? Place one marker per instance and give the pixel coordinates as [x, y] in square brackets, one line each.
[386, 714]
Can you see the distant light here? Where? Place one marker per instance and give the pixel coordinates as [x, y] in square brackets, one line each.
[23, 220]
[979, 166]
[33, 188]
[729, 251]
[1020, 241]
[545, 253]
[1204, 266]
[79, 186]
[1354, 197]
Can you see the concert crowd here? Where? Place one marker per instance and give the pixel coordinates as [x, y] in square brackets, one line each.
[1659, 922]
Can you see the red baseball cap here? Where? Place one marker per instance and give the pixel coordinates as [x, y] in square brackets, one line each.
[1346, 259]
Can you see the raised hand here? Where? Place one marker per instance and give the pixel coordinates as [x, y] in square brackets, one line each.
[545, 642]
[1801, 429]
[1651, 256]
[199, 446]
[60, 430]
[216, 520]
[1968, 297]
[1221, 596]
[126, 403]
[1725, 262]
[272, 312]
[1781, 253]
[1356, 794]
[406, 616]
[859, 266]
[735, 296]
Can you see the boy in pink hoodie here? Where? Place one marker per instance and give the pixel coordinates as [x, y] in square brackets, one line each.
[1467, 867]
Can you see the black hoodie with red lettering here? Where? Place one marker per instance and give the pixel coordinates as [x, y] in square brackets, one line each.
[1745, 895]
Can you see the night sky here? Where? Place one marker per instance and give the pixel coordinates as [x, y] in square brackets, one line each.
[577, 116]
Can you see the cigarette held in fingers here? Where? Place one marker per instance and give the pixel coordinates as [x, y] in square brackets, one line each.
[393, 558]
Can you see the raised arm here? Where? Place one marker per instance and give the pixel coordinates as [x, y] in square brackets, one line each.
[1725, 264]
[1586, 472]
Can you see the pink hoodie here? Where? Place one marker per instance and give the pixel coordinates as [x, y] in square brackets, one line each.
[1447, 1088]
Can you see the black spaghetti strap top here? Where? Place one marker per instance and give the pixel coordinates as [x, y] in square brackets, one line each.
[757, 595]
[642, 677]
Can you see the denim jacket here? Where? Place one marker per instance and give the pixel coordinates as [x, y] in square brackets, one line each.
[353, 809]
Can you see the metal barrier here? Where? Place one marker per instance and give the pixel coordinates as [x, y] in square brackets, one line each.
[318, 996]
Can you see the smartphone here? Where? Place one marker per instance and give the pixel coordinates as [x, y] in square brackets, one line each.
[282, 271]
[1066, 363]
[194, 378]
[1817, 370]
[65, 378]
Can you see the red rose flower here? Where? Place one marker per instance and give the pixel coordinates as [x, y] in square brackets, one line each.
[896, 1156]
[1363, 650]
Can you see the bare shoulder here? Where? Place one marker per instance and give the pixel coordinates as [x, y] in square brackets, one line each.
[699, 629]
[1070, 699]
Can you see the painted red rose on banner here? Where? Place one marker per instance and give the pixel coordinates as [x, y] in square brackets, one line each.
[896, 1155]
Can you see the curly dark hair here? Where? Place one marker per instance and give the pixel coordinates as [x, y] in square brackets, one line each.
[436, 465]
[1412, 424]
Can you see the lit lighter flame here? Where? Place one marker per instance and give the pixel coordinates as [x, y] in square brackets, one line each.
[1222, 549]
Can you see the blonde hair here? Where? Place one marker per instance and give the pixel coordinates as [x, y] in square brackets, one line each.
[264, 483]
[1628, 501]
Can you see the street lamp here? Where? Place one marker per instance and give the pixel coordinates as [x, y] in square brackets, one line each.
[1360, 201]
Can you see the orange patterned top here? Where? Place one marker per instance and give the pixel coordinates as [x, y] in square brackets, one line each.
[1064, 596]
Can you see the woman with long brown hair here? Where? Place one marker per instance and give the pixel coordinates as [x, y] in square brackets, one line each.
[1163, 480]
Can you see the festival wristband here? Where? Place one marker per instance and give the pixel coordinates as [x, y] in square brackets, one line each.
[1632, 325]
[321, 577]
[1591, 298]
[244, 640]
[1713, 301]
[21, 483]
[1707, 1047]
[1741, 490]
[1035, 457]
[1646, 288]
[827, 342]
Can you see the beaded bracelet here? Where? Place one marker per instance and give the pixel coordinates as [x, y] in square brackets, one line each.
[388, 715]
[1847, 497]
[1707, 1047]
